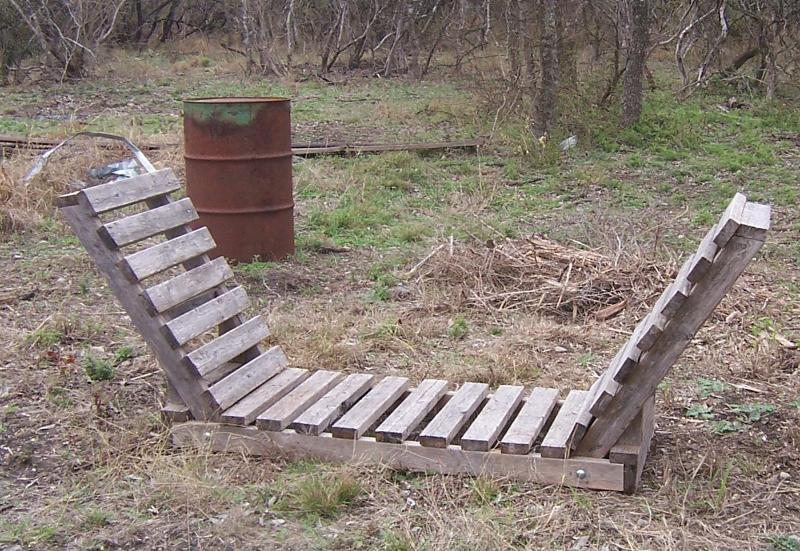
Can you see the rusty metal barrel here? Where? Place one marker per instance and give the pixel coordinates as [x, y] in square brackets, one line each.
[239, 174]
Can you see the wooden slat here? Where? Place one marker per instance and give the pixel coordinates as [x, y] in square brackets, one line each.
[210, 314]
[702, 259]
[251, 406]
[598, 474]
[455, 413]
[128, 191]
[678, 290]
[228, 345]
[148, 223]
[557, 442]
[143, 264]
[405, 418]
[320, 415]
[730, 221]
[236, 385]
[482, 434]
[361, 417]
[281, 414]
[528, 423]
[728, 264]
[755, 221]
[634, 444]
[179, 289]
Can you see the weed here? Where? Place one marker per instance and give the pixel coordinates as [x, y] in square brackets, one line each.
[752, 413]
[796, 403]
[97, 517]
[395, 541]
[458, 328]
[58, 396]
[700, 411]
[44, 338]
[586, 359]
[707, 387]
[485, 490]
[98, 369]
[26, 532]
[124, 354]
[322, 495]
[763, 326]
[581, 499]
[725, 427]
[784, 542]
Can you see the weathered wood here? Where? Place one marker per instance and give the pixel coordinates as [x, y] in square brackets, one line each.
[175, 412]
[192, 324]
[528, 423]
[678, 290]
[281, 414]
[251, 406]
[482, 434]
[405, 418]
[730, 221]
[455, 413]
[148, 223]
[186, 384]
[236, 385]
[702, 259]
[319, 416]
[143, 264]
[728, 264]
[227, 346]
[121, 193]
[633, 446]
[181, 288]
[366, 412]
[557, 442]
[597, 474]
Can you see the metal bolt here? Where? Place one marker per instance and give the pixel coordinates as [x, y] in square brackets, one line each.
[207, 435]
[581, 474]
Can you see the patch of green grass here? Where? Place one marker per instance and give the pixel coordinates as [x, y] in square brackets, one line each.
[97, 517]
[98, 369]
[586, 359]
[707, 387]
[485, 490]
[321, 495]
[27, 533]
[458, 328]
[394, 540]
[784, 542]
[59, 397]
[724, 427]
[700, 411]
[796, 403]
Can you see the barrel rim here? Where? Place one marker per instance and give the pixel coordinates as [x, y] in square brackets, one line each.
[222, 100]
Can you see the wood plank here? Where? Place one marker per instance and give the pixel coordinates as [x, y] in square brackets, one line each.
[320, 415]
[729, 263]
[704, 256]
[282, 413]
[143, 264]
[757, 217]
[557, 441]
[678, 290]
[730, 221]
[236, 385]
[455, 413]
[363, 415]
[251, 406]
[633, 446]
[482, 434]
[121, 193]
[527, 425]
[128, 294]
[148, 223]
[192, 324]
[181, 288]
[597, 474]
[405, 418]
[227, 346]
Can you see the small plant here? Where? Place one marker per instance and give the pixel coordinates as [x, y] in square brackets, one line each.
[323, 495]
[124, 354]
[58, 396]
[700, 411]
[796, 403]
[585, 359]
[395, 541]
[98, 369]
[707, 387]
[752, 413]
[725, 427]
[784, 542]
[485, 490]
[763, 326]
[458, 328]
[97, 517]
[44, 338]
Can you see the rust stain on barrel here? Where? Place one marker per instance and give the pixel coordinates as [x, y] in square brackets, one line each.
[239, 174]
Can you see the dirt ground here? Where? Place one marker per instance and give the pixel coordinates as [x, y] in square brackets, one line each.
[86, 459]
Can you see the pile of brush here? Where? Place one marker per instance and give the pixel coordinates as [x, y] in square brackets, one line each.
[536, 273]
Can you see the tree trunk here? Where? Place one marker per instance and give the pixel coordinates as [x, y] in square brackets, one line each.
[544, 109]
[637, 56]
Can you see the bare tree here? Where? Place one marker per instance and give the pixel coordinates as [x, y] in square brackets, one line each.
[638, 45]
[544, 110]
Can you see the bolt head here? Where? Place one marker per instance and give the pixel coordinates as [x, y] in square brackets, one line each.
[581, 474]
